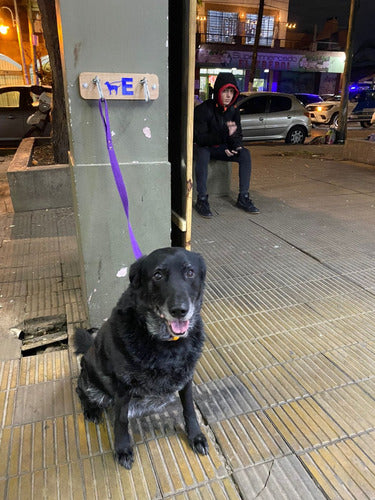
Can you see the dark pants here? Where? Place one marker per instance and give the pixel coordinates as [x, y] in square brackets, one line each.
[203, 154]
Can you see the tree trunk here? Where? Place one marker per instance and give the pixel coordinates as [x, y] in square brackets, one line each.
[60, 139]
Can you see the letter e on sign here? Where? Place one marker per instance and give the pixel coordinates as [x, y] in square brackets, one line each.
[127, 86]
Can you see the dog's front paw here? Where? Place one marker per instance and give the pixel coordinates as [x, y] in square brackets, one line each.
[199, 444]
[125, 457]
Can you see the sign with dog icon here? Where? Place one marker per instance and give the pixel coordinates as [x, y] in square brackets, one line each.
[124, 86]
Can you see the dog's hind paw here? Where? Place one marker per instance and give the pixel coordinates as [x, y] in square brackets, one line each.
[125, 457]
[199, 444]
[93, 414]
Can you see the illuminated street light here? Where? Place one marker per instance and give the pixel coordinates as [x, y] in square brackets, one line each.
[4, 28]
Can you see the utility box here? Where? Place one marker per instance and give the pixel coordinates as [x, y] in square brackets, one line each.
[117, 40]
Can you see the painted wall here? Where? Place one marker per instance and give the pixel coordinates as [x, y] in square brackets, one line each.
[117, 37]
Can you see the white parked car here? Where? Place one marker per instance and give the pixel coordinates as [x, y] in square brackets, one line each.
[327, 112]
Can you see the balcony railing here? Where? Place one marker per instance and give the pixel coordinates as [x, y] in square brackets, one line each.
[248, 41]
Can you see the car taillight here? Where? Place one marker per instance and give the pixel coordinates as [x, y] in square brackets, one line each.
[306, 114]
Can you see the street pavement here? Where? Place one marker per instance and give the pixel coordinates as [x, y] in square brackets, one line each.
[285, 388]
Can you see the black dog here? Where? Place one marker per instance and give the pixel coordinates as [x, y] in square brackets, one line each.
[148, 348]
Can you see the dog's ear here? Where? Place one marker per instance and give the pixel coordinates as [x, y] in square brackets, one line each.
[135, 273]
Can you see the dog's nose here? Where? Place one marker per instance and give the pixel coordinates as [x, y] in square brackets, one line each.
[179, 311]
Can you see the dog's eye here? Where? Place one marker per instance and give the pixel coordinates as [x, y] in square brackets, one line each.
[157, 276]
[190, 273]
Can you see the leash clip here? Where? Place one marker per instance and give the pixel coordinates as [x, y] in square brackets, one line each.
[145, 88]
[96, 80]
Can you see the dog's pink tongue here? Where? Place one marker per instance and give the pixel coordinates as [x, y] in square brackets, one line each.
[179, 326]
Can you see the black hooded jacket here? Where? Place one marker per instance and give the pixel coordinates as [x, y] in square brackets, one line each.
[211, 116]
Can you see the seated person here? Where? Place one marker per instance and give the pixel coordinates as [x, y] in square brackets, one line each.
[218, 135]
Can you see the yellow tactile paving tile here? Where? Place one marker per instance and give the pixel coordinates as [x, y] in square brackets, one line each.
[343, 306]
[229, 307]
[44, 367]
[343, 470]
[138, 483]
[351, 407]
[246, 357]
[272, 386]
[358, 360]
[272, 321]
[9, 374]
[178, 467]
[5, 441]
[249, 439]
[211, 366]
[62, 482]
[362, 326]
[317, 373]
[7, 399]
[215, 490]
[39, 445]
[304, 424]
[230, 331]
[308, 341]
[93, 439]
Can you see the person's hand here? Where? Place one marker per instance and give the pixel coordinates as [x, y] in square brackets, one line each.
[232, 152]
[232, 127]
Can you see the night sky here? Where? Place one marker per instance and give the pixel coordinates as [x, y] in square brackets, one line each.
[306, 13]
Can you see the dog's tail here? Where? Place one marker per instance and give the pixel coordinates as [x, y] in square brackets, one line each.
[83, 340]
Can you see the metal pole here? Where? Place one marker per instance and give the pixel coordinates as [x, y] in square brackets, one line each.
[33, 77]
[256, 44]
[19, 36]
[343, 112]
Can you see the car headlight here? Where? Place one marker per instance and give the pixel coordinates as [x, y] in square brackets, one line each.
[324, 108]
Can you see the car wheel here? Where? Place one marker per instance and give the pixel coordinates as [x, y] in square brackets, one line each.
[296, 135]
[366, 124]
[334, 121]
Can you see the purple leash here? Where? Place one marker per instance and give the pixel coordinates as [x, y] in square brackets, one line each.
[117, 175]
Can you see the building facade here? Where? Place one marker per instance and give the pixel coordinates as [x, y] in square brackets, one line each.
[285, 62]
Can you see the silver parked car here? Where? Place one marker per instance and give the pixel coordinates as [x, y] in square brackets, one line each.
[273, 115]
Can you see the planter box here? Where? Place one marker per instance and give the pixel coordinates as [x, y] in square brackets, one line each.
[40, 187]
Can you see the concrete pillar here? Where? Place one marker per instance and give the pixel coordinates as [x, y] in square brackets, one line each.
[117, 37]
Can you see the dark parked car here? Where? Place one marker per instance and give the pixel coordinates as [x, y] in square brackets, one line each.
[308, 98]
[273, 115]
[364, 108]
[17, 104]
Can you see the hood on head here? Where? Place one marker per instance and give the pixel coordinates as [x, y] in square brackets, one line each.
[223, 81]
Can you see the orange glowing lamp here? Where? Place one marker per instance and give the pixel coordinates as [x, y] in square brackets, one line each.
[4, 29]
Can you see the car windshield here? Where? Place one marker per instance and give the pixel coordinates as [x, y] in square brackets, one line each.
[308, 98]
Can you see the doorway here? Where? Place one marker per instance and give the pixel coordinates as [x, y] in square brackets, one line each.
[181, 114]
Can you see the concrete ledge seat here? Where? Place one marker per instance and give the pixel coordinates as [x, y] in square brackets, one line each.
[359, 150]
[219, 178]
[40, 187]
